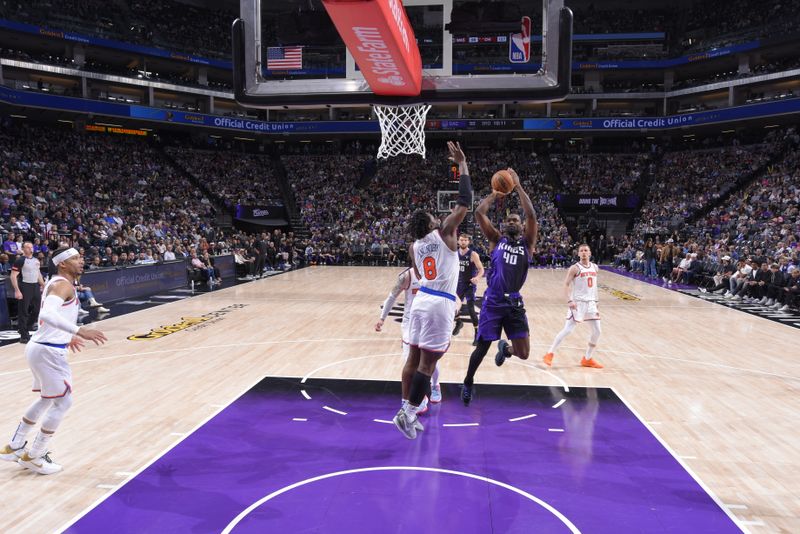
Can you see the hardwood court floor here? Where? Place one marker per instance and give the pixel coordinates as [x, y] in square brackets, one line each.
[719, 387]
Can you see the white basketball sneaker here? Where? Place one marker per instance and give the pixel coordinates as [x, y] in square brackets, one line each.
[436, 394]
[402, 423]
[43, 465]
[10, 454]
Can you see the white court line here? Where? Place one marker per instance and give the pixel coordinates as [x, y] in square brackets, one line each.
[756, 523]
[302, 419]
[555, 430]
[559, 403]
[334, 410]
[195, 348]
[652, 422]
[563, 384]
[683, 464]
[311, 373]
[151, 462]
[177, 433]
[384, 421]
[521, 418]
[736, 506]
[106, 486]
[123, 473]
[217, 405]
[244, 513]
[460, 424]
[688, 457]
[306, 395]
[335, 340]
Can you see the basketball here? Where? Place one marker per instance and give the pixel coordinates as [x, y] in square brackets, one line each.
[502, 182]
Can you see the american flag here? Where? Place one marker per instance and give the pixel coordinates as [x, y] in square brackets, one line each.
[280, 58]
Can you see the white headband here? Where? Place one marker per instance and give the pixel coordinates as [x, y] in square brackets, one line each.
[67, 254]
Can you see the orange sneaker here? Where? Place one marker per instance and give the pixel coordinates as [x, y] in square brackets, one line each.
[590, 363]
[548, 359]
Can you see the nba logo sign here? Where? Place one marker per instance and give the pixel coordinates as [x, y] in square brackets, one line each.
[519, 46]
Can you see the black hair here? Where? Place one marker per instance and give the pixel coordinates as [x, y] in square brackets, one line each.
[420, 224]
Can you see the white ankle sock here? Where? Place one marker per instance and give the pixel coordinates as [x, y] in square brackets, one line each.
[18, 440]
[39, 447]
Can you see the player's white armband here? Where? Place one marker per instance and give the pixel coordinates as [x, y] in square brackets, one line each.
[50, 315]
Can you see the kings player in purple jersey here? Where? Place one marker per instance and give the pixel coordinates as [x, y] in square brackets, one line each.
[503, 308]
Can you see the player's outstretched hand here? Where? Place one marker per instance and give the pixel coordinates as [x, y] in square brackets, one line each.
[90, 334]
[379, 325]
[456, 154]
[76, 344]
[514, 176]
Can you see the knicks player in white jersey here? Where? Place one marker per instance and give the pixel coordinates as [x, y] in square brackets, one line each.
[47, 358]
[408, 283]
[580, 291]
[435, 261]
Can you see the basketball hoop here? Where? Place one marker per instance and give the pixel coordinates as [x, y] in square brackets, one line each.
[402, 129]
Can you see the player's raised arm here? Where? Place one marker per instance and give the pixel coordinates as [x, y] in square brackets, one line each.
[531, 224]
[464, 201]
[486, 225]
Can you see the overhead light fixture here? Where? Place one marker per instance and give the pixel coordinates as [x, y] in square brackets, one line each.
[728, 131]
[65, 120]
[244, 138]
[109, 125]
[19, 116]
[772, 126]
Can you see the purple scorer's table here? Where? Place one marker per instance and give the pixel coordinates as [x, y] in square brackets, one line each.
[323, 456]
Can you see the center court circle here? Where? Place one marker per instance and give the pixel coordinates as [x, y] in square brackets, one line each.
[384, 499]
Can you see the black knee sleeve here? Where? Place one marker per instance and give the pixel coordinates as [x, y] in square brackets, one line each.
[420, 384]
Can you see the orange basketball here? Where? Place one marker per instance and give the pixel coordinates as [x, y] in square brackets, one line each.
[502, 182]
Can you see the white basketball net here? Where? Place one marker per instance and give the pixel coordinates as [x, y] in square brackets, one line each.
[402, 129]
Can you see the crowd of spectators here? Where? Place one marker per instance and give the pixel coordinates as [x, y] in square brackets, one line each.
[686, 181]
[189, 28]
[122, 201]
[587, 174]
[115, 199]
[231, 177]
[746, 248]
[349, 224]
[205, 30]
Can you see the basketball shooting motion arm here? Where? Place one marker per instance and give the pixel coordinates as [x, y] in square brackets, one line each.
[464, 201]
[531, 224]
[486, 225]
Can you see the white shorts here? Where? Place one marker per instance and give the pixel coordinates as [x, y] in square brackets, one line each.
[587, 311]
[431, 322]
[52, 376]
